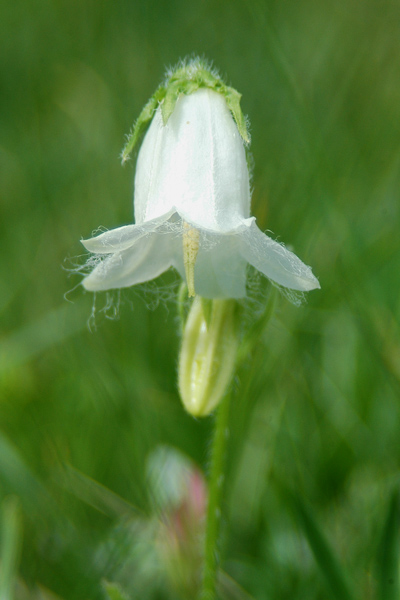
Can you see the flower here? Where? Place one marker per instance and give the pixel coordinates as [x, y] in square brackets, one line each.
[192, 208]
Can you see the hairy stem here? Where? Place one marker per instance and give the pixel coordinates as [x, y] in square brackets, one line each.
[215, 488]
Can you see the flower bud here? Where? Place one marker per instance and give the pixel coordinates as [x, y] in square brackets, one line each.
[208, 355]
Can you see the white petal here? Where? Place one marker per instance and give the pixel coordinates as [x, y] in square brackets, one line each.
[195, 164]
[275, 261]
[146, 259]
[220, 269]
[121, 238]
[115, 239]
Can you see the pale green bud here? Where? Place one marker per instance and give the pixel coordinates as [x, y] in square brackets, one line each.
[208, 354]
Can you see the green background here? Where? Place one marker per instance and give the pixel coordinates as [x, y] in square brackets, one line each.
[315, 413]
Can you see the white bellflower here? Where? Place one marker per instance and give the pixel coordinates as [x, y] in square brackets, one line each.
[192, 207]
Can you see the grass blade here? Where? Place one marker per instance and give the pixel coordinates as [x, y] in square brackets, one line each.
[10, 546]
[388, 553]
[325, 558]
[113, 591]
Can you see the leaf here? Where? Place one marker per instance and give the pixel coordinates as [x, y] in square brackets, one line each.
[96, 495]
[39, 335]
[17, 478]
[10, 546]
[229, 589]
[323, 554]
[114, 591]
[252, 337]
[388, 553]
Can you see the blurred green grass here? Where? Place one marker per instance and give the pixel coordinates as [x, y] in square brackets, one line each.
[317, 408]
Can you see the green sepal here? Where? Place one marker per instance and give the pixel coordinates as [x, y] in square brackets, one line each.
[142, 121]
[232, 98]
[186, 79]
[174, 90]
[195, 71]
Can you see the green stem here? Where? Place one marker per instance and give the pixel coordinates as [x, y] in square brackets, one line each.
[215, 488]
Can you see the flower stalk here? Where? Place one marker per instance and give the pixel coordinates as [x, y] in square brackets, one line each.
[216, 481]
[214, 511]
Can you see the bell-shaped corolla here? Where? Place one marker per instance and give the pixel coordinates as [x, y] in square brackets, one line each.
[192, 210]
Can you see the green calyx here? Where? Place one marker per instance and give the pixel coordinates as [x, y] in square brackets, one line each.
[186, 78]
